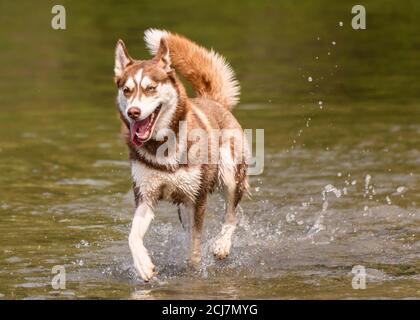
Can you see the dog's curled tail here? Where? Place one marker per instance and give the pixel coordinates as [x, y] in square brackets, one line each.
[209, 73]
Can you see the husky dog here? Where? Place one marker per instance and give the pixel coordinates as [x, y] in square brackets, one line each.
[155, 112]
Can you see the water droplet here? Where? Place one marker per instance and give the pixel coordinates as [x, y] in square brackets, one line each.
[290, 217]
[82, 243]
[331, 188]
[79, 262]
[367, 185]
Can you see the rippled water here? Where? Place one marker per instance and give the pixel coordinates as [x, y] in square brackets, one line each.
[340, 186]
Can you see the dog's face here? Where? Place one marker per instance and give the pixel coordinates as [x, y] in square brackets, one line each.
[147, 97]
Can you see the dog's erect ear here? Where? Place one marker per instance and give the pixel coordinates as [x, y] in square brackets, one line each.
[122, 58]
[163, 56]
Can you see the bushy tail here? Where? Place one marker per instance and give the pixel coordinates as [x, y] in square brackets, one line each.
[209, 73]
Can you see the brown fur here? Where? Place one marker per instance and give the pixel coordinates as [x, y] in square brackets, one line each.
[192, 61]
[195, 64]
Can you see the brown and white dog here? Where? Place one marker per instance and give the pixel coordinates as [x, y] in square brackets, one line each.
[156, 112]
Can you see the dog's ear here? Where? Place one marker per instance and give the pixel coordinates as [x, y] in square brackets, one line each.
[122, 58]
[163, 56]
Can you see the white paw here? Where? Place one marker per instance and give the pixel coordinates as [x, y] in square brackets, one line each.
[142, 261]
[221, 247]
[144, 265]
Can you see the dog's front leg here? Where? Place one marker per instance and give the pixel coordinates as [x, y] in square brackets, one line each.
[141, 221]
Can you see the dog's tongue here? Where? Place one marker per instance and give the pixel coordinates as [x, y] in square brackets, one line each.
[139, 131]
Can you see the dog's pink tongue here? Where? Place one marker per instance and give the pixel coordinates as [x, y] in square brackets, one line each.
[139, 131]
[143, 129]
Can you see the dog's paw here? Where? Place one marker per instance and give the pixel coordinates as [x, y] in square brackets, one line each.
[144, 266]
[142, 262]
[194, 262]
[221, 247]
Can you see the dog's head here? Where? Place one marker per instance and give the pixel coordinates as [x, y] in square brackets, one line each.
[147, 95]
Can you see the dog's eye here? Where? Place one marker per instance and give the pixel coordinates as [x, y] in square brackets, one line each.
[150, 88]
[126, 90]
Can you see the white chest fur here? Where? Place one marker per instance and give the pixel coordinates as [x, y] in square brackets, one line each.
[152, 182]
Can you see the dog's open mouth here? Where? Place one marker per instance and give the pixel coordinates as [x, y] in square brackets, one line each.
[141, 131]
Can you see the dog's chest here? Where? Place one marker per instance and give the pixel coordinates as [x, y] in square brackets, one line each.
[153, 183]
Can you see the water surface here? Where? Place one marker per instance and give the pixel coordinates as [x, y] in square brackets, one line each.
[341, 181]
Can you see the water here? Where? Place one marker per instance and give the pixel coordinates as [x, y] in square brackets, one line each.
[340, 186]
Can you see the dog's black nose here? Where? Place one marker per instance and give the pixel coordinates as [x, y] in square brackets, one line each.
[133, 113]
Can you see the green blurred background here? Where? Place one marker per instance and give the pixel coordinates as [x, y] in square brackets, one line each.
[64, 178]
[271, 45]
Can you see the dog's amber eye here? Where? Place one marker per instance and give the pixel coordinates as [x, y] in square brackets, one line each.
[150, 88]
[126, 90]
